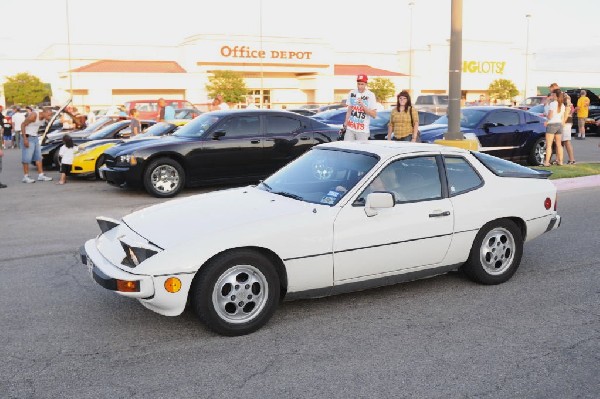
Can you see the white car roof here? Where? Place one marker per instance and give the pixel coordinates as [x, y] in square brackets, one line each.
[386, 148]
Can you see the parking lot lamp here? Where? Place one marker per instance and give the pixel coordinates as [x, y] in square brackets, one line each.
[528, 17]
[410, 49]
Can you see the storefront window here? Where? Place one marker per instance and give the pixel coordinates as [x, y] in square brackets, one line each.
[255, 94]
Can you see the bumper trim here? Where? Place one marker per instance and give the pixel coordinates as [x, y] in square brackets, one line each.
[554, 223]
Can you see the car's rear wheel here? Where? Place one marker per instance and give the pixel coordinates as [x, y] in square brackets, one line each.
[496, 253]
[164, 178]
[538, 152]
[236, 293]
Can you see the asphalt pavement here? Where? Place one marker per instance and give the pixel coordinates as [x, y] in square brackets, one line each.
[63, 336]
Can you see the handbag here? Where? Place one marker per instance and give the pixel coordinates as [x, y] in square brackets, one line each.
[412, 123]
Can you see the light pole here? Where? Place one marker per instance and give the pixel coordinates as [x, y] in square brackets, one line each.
[69, 50]
[410, 49]
[528, 17]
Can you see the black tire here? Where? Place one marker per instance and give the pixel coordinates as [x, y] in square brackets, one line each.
[538, 152]
[496, 253]
[164, 178]
[99, 163]
[236, 293]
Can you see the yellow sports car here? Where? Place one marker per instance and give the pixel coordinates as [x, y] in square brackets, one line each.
[89, 156]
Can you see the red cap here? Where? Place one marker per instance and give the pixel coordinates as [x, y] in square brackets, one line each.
[362, 78]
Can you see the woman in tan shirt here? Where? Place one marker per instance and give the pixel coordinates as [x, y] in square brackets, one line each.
[404, 120]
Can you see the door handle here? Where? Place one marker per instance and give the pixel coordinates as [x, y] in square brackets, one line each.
[304, 138]
[255, 141]
[440, 214]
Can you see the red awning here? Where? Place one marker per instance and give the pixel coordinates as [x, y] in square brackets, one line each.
[344, 69]
[132, 66]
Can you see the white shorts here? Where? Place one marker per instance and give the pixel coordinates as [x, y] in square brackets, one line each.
[566, 133]
[353, 135]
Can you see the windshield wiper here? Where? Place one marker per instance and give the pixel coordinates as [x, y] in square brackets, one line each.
[266, 185]
[289, 195]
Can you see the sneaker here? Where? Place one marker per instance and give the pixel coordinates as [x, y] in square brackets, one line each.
[27, 179]
[3, 185]
[43, 177]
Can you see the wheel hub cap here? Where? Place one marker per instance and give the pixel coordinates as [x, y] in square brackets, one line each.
[240, 294]
[497, 251]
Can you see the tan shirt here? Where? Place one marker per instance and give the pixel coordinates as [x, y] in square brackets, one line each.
[401, 122]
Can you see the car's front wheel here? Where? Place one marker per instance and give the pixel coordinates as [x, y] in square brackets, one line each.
[99, 163]
[538, 152]
[496, 253]
[236, 293]
[164, 178]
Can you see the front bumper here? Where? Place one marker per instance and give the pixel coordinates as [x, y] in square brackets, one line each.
[121, 176]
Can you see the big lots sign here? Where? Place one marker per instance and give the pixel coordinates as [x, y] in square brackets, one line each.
[251, 53]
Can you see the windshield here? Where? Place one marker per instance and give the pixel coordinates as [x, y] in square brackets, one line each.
[468, 117]
[383, 117]
[197, 127]
[99, 123]
[102, 133]
[321, 176]
[156, 130]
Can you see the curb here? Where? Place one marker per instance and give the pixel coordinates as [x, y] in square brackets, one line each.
[577, 182]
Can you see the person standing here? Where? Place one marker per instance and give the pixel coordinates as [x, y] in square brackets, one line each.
[1, 144]
[6, 133]
[30, 144]
[134, 126]
[583, 109]
[165, 112]
[17, 120]
[222, 104]
[361, 108]
[66, 153]
[90, 116]
[404, 120]
[554, 126]
[566, 132]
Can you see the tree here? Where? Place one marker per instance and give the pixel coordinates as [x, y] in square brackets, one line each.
[25, 89]
[383, 88]
[228, 83]
[502, 89]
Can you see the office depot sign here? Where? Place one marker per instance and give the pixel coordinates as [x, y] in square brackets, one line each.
[248, 52]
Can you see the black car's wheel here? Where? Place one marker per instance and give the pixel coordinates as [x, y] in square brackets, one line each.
[538, 152]
[99, 163]
[164, 178]
[496, 253]
[236, 293]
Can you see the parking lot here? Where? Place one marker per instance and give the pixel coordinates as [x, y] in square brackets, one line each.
[535, 336]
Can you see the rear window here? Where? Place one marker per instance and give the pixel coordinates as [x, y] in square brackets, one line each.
[503, 168]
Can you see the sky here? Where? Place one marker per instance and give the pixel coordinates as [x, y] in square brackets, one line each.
[562, 34]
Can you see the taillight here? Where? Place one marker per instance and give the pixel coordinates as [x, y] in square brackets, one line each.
[547, 203]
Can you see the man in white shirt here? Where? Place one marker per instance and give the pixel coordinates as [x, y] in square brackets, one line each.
[361, 108]
[30, 148]
[90, 116]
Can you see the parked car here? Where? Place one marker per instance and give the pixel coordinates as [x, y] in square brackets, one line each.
[115, 130]
[538, 110]
[303, 111]
[89, 156]
[532, 102]
[221, 146]
[434, 103]
[345, 216]
[508, 133]
[594, 109]
[148, 109]
[330, 107]
[187, 113]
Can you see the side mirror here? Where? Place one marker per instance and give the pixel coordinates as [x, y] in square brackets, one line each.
[486, 126]
[378, 200]
[218, 135]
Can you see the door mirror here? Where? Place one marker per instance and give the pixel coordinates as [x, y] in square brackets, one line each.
[378, 200]
[218, 135]
[488, 125]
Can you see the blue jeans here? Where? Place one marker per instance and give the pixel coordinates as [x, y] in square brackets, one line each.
[33, 153]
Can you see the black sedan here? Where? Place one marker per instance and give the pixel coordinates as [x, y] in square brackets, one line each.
[114, 130]
[507, 133]
[216, 147]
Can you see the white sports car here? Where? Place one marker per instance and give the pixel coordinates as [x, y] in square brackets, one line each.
[345, 216]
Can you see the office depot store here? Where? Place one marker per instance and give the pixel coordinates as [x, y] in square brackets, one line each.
[289, 72]
[283, 72]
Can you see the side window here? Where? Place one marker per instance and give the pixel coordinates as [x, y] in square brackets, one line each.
[427, 100]
[410, 180]
[282, 125]
[461, 176]
[504, 118]
[241, 126]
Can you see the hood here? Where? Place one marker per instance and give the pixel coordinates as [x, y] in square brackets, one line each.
[129, 146]
[211, 214]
